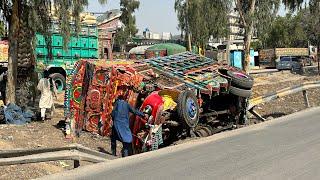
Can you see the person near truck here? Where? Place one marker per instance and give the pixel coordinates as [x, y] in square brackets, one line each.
[120, 129]
[3, 80]
[48, 89]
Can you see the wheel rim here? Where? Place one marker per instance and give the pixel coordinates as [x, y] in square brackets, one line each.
[191, 108]
[240, 75]
[59, 84]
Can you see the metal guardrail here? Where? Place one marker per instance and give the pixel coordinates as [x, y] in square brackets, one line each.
[73, 152]
[281, 93]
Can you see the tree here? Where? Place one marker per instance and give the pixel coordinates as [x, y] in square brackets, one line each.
[314, 25]
[279, 34]
[254, 13]
[202, 19]
[38, 13]
[259, 14]
[287, 31]
[297, 30]
[181, 7]
[2, 29]
[129, 30]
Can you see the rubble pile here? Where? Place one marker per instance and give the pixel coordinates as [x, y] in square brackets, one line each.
[13, 114]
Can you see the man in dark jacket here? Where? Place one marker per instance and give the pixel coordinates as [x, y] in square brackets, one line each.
[120, 129]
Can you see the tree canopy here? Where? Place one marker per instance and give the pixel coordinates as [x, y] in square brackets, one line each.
[294, 30]
[203, 19]
[313, 29]
[38, 15]
[125, 34]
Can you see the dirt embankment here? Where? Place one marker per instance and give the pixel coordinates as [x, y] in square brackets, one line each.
[285, 105]
[40, 135]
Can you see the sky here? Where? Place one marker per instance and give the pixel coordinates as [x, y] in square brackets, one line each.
[157, 15]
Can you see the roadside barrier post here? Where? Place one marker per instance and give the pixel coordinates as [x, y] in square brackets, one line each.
[306, 99]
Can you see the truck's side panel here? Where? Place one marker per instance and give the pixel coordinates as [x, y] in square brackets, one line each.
[81, 46]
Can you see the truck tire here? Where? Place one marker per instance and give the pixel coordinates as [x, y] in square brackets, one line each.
[59, 80]
[240, 80]
[240, 92]
[188, 109]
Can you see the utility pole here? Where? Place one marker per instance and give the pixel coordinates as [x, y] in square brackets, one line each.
[228, 50]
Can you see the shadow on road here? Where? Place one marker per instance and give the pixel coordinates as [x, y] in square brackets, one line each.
[274, 115]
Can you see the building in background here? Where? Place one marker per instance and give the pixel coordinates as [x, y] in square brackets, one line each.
[235, 29]
[236, 33]
[108, 24]
[166, 36]
[147, 34]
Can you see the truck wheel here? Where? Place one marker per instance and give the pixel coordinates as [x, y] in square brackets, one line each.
[59, 80]
[240, 92]
[188, 109]
[240, 80]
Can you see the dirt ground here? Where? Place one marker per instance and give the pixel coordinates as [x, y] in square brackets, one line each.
[48, 134]
[40, 135]
[286, 105]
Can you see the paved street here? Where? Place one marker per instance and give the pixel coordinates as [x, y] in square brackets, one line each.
[285, 148]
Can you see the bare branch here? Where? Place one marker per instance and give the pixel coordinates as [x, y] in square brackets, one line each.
[239, 8]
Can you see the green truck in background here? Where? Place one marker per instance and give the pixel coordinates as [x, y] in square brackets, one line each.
[60, 62]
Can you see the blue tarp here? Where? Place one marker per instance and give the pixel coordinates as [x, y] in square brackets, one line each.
[14, 115]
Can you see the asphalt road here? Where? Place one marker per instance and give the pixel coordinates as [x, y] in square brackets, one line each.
[284, 148]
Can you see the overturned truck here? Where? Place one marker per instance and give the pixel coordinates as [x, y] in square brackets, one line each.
[183, 94]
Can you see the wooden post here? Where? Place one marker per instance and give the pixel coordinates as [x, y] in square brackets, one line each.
[306, 100]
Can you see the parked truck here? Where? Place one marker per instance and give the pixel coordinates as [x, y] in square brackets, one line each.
[270, 57]
[60, 61]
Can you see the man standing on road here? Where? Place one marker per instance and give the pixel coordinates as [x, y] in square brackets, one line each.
[120, 129]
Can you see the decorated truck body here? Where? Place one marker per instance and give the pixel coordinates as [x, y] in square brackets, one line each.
[184, 95]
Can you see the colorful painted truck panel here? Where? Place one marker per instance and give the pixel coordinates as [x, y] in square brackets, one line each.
[4, 49]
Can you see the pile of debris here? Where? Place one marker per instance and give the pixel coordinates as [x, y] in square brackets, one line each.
[13, 114]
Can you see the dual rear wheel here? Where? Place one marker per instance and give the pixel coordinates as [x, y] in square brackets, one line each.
[241, 84]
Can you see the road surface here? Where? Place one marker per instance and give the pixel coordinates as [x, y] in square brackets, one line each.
[284, 148]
